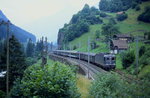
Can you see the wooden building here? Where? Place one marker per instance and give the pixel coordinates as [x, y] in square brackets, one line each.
[125, 37]
[118, 46]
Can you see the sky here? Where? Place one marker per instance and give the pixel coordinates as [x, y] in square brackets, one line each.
[42, 17]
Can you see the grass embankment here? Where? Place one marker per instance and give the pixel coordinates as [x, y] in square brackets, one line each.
[83, 85]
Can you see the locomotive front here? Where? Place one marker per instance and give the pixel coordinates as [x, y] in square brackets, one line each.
[110, 61]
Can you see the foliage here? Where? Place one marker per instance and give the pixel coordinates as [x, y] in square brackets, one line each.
[128, 59]
[102, 14]
[30, 61]
[17, 63]
[109, 85]
[79, 24]
[54, 81]
[109, 30]
[137, 8]
[145, 15]
[112, 21]
[97, 34]
[134, 5]
[30, 49]
[114, 5]
[117, 5]
[75, 30]
[121, 17]
[2, 94]
[145, 56]
[142, 50]
[93, 45]
[112, 85]
[148, 35]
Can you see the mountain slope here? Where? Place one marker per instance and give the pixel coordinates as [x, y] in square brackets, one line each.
[130, 26]
[20, 34]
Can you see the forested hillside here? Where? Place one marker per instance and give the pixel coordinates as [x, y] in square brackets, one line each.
[79, 24]
[134, 21]
[19, 33]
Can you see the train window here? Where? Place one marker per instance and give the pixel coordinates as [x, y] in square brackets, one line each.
[113, 59]
[107, 58]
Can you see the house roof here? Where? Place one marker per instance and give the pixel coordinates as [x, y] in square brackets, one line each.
[122, 35]
[121, 44]
[120, 12]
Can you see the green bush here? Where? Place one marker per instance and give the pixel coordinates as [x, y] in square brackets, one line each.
[54, 81]
[145, 15]
[30, 61]
[128, 59]
[137, 8]
[2, 94]
[108, 85]
[102, 14]
[121, 17]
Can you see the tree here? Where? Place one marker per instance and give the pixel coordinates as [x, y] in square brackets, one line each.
[55, 81]
[114, 5]
[128, 59]
[109, 30]
[145, 15]
[121, 17]
[97, 34]
[112, 21]
[137, 8]
[102, 14]
[86, 9]
[17, 60]
[109, 85]
[30, 49]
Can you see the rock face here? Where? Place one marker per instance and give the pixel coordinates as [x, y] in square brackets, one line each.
[19, 33]
[60, 39]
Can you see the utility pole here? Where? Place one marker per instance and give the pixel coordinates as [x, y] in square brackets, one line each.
[88, 54]
[137, 54]
[7, 62]
[70, 50]
[79, 51]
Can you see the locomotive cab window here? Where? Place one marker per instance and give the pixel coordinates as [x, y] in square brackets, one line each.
[107, 59]
[113, 58]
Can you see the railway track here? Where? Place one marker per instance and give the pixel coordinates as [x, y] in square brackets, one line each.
[91, 70]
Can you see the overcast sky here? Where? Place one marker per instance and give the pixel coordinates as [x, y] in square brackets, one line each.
[42, 17]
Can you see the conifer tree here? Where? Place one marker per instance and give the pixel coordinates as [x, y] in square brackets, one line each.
[17, 63]
[30, 49]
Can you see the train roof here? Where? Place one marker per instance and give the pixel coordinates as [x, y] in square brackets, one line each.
[69, 51]
[86, 53]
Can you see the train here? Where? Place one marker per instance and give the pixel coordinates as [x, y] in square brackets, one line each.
[106, 61]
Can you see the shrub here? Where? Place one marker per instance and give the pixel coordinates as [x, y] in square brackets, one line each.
[142, 50]
[30, 61]
[55, 81]
[97, 34]
[137, 8]
[128, 59]
[145, 15]
[134, 4]
[2, 94]
[121, 17]
[102, 14]
[108, 85]
[112, 21]
[93, 45]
